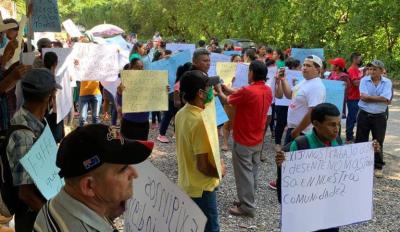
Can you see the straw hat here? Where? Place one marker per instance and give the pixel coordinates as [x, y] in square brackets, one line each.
[4, 27]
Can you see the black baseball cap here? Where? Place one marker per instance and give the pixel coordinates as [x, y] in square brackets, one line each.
[90, 146]
[39, 81]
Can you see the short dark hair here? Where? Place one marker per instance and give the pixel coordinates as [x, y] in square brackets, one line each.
[191, 82]
[181, 70]
[234, 56]
[354, 55]
[201, 43]
[167, 52]
[50, 59]
[134, 61]
[324, 109]
[259, 69]
[251, 53]
[292, 63]
[200, 52]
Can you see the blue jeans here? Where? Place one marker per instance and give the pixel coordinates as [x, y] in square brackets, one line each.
[208, 204]
[95, 102]
[351, 119]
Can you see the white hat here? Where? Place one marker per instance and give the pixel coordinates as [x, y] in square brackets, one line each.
[314, 59]
[4, 27]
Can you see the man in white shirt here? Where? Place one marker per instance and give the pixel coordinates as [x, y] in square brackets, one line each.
[304, 96]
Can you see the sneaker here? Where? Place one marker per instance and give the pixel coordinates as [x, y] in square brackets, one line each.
[378, 173]
[163, 138]
[237, 211]
[272, 184]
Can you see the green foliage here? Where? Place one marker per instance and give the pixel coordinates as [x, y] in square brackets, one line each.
[371, 27]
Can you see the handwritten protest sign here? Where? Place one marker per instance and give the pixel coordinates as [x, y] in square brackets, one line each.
[222, 117]
[335, 93]
[64, 57]
[231, 53]
[17, 53]
[302, 53]
[71, 28]
[159, 205]
[96, 62]
[327, 187]
[45, 16]
[145, 91]
[64, 100]
[40, 163]
[174, 47]
[210, 122]
[241, 75]
[171, 64]
[214, 59]
[226, 71]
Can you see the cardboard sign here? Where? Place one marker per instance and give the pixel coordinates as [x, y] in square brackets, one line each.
[171, 65]
[71, 28]
[159, 205]
[335, 93]
[302, 53]
[40, 163]
[95, 62]
[174, 47]
[241, 75]
[214, 59]
[45, 16]
[145, 90]
[226, 71]
[327, 187]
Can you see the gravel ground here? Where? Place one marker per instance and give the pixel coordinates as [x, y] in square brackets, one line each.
[386, 194]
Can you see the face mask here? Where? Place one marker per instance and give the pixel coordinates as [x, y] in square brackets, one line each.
[210, 96]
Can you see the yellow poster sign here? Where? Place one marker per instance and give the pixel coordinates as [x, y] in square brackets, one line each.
[226, 70]
[145, 90]
[210, 123]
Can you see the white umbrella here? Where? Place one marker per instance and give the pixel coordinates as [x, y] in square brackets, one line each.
[106, 30]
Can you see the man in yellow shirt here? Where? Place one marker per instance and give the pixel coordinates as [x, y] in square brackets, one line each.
[197, 171]
[89, 94]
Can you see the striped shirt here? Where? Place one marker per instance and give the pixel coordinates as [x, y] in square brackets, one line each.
[63, 214]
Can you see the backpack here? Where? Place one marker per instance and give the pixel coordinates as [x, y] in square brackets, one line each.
[8, 192]
[302, 144]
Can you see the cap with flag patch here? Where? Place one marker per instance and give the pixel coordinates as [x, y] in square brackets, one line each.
[88, 147]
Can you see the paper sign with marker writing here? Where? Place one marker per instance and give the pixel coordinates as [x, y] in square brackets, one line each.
[214, 59]
[222, 117]
[226, 71]
[327, 187]
[210, 122]
[40, 163]
[174, 47]
[145, 90]
[17, 53]
[45, 16]
[171, 65]
[96, 62]
[335, 93]
[64, 98]
[241, 75]
[71, 28]
[158, 204]
[302, 53]
[64, 57]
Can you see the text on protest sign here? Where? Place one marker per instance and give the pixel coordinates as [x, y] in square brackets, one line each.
[40, 163]
[95, 62]
[71, 28]
[159, 205]
[335, 93]
[174, 47]
[210, 123]
[302, 53]
[145, 90]
[45, 16]
[171, 65]
[241, 75]
[327, 187]
[214, 58]
[226, 71]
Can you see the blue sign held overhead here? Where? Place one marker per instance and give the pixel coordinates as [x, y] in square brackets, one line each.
[171, 65]
[302, 53]
[231, 53]
[45, 17]
[174, 47]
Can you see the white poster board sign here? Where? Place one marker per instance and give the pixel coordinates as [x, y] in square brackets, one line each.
[71, 28]
[96, 62]
[327, 187]
[241, 75]
[159, 205]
